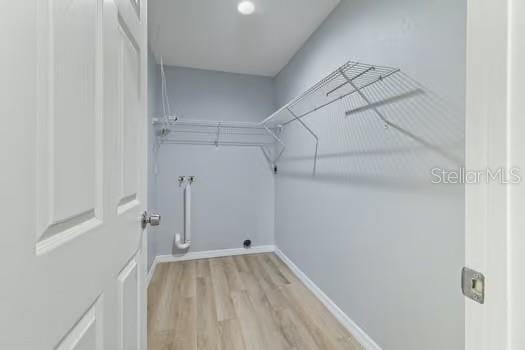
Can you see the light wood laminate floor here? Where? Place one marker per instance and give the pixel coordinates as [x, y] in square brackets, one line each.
[244, 302]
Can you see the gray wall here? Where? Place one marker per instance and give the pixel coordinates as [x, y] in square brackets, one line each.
[370, 229]
[233, 197]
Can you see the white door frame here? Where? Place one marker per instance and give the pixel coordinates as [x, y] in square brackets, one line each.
[494, 212]
[517, 193]
[143, 268]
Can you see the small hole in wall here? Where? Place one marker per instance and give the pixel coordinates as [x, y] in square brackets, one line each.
[247, 243]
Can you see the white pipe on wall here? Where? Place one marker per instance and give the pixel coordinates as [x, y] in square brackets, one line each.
[187, 212]
[187, 220]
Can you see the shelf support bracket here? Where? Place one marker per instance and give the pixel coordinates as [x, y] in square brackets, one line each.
[367, 100]
[278, 139]
[389, 124]
[267, 156]
[314, 135]
[218, 135]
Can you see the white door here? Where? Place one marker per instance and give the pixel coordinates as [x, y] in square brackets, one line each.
[495, 231]
[72, 179]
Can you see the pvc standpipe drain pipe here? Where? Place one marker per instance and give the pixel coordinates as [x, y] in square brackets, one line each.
[186, 243]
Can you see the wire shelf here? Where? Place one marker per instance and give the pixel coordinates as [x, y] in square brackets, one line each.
[348, 79]
[218, 133]
[351, 78]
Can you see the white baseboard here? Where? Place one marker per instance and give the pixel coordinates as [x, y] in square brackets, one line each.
[206, 255]
[359, 334]
[150, 273]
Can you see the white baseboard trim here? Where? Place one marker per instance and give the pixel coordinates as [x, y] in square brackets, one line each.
[359, 334]
[150, 273]
[159, 259]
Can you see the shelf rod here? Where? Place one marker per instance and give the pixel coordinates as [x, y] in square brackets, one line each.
[215, 132]
[213, 124]
[212, 143]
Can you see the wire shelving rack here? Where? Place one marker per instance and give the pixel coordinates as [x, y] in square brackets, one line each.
[351, 78]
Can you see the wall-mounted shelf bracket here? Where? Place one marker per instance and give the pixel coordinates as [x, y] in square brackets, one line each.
[314, 135]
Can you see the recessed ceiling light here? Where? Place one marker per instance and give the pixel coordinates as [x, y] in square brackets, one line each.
[246, 7]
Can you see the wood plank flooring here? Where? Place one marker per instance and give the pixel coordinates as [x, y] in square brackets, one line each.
[251, 302]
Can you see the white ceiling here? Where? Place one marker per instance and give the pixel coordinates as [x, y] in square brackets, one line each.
[211, 34]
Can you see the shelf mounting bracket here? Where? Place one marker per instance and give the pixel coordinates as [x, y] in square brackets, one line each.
[314, 135]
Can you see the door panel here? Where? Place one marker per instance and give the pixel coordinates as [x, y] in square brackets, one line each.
[87, 333]
[68, 122]
[129, 307]
[72, 156]
[73, 180]
[130, 95]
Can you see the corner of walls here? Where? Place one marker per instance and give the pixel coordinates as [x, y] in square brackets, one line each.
[233, 197]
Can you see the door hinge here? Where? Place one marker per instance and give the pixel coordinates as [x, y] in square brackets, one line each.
[473, 285]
